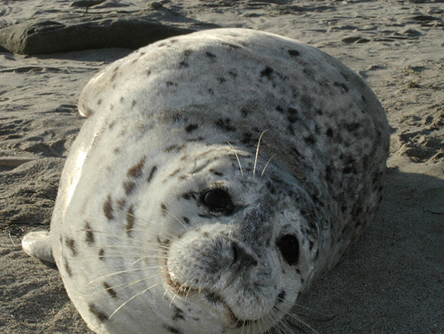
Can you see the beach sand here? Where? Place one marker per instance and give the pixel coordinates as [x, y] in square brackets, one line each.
[390, 282]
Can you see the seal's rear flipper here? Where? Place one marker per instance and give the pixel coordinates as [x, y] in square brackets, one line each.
[38, 245]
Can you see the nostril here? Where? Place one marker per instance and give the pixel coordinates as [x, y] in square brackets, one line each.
[242, 257]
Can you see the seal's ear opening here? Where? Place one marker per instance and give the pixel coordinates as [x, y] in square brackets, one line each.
[289, 248]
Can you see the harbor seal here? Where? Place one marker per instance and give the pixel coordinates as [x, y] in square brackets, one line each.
[218, 174]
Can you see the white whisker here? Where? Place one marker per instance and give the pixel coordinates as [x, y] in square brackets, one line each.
[125, 285]
[133, 297]
[108, 275]
[258, 151]
[237, 158]
[267, 164]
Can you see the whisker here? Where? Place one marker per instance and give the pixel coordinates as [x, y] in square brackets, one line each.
[153, 225]
[267, 164]
[133, 297]
[298, 320]
[116, 273]
[125, 285]
[327, 316]
[237, 158]
[258, 151]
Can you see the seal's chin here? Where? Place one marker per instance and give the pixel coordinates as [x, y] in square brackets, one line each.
[184, 291]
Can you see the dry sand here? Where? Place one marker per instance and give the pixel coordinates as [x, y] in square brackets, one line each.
[391, 282]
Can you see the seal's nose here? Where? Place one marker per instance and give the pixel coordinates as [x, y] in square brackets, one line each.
[241, 257]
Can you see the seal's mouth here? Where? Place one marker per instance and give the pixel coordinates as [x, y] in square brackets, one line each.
[186, 291]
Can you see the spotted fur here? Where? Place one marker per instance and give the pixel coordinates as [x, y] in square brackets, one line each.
[217, 176]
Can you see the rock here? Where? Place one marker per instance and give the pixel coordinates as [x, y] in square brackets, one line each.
[106, 30]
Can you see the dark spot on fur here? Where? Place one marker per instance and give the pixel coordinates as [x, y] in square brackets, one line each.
[310, 139]
[174, 173]
[68, 268]
[363, 98]
[101, 254]
[121, 203]
[130, 221]
[172, 329]
[170, 84]
[129, 186]
[164, 209]
[292, 118]
[225, 124]
[349, 169]
[89, 236]
[152, 172]
[280, 298]
[328, 172]
[210, 55]
[189, 195]
[245, 112]
[306, 101]
[280, 109]
[295, 151]
[329, 132]
[98, 314]
[216, 173]
[267, 72]
[99, 101]
[71, 244]
[165, 243]
[199, 168]
[221, 80]
[108, 209]
[148, 73]
[122, 99]
[109, 290]
[271, 187]
[233, 74]
[247, 138]
[352, 126]
[343, 86]
[230, 45]
[175, 147]
[293, 53]
[186, 220]
[183, 64]
[179, 314]
[213, 298]
[187, 52]
[133, 103]
[135, 171]
[191, 127]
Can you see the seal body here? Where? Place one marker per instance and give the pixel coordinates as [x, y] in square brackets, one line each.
[217, 175]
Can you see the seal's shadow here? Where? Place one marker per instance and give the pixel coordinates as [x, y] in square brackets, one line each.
[393, 278]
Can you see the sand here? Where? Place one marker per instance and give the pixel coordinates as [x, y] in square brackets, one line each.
[390, 282]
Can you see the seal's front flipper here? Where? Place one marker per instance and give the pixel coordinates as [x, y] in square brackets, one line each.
[38, 245]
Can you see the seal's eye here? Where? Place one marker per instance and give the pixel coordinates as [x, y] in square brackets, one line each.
[217, 200]
[289, 248]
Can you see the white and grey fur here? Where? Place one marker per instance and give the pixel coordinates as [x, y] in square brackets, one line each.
[217, 175]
